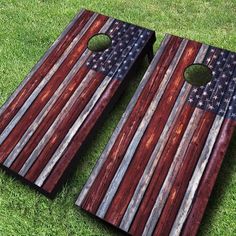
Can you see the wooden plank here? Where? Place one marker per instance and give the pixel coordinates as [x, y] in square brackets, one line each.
[131, 105]
[43, 117]
[179, 175]
[128, 130]
[14, 103]
[154, 166]
[46, 115]
[149, 139]
[117, 74]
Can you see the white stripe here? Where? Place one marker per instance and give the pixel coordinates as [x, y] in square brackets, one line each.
[39, 63]
[64, 111]
[150, 168]
[178, 159]
[114, 185]
[57, 155]
[33, 127]
[59, 152]
[25, 138]
[34, 155]
[44, 81]
[124, 118]
[198, 172]
[173, 171]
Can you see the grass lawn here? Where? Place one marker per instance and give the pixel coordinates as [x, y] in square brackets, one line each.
[27, 29]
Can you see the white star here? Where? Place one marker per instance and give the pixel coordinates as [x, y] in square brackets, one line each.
[213, 73]
[215, 97]
[221, 111]
[214, 56]
[197, 96]
[200, 103]
[218, 103]
[195, 90]
[205, 93]
[224, 75]
[211, 107]
[220, 86]
[230, 107]
[190, 100]
[234, 79]
[222, 53]
[228, 66]
[233, 115]
[226, 100]
[234, 97]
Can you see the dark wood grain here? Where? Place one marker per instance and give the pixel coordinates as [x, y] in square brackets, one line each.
[150, 138]
[151, 177]
[128, 131]
[16, 104]
[70, 87]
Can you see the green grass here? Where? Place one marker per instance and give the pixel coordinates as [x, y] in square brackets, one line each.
[27, 29]
[198, 75]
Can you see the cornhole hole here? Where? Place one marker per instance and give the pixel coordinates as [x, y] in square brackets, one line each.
[157, 172]
[49, 117]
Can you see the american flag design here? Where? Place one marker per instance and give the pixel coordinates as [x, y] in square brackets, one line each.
[156, 173]
[49, 117]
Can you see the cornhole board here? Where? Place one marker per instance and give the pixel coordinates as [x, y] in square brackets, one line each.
[49, 117]
[157, 172]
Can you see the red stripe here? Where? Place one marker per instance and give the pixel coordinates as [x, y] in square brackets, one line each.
[49, 119]
[150, 138]
[82, 134]
[161, 170]
[184, 174]
[16, 104]
[61, 131]
[44, 126]
[50, 88]
[209, 178]
[101, 183]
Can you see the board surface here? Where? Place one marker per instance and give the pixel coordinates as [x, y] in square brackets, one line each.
[157, 171]
[49, 117]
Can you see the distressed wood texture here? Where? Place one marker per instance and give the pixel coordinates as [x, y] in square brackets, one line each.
[157, 172]
[50, 116]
